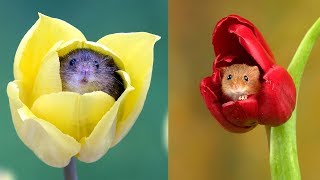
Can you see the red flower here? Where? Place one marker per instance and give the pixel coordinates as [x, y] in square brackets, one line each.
[238, 41]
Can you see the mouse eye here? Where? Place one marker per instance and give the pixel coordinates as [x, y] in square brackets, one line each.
[72, 62]
[96, 63]
[229, 77]
[245, 78]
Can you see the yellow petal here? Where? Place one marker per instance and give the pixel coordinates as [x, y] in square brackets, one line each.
[48, 78]
[101, 138]
[51, 145]
[136, 52]
[36, 43]
[72, 113]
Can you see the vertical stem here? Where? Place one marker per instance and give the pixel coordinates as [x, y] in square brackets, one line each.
[284, 162]
[70, 171]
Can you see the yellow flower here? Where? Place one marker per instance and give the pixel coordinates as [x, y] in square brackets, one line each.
[57, 125]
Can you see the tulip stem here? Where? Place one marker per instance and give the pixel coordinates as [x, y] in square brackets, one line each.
[284, 162]
[70, 171]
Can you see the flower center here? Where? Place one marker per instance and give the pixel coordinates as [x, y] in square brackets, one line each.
[84, 70]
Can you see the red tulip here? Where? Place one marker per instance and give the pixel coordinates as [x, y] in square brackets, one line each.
[238, 41]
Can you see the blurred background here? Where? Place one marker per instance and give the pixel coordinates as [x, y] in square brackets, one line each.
[142, 154]
[198, 147]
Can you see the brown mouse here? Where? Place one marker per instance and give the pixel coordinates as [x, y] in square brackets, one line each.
[84, 70]
[239, 81]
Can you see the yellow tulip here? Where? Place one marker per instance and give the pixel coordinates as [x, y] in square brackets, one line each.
[57, 125]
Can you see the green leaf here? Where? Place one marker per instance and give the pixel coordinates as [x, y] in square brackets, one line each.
[284, 162]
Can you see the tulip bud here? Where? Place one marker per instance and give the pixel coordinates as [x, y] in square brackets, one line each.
[76, 98]
[238, 42]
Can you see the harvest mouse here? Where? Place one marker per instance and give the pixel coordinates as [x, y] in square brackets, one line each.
[240, 80]
[84, 70]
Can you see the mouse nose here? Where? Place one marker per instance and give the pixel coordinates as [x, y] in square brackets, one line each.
[84, 80]
[239, 91]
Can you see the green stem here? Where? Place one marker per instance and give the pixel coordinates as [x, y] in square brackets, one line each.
[284, 162]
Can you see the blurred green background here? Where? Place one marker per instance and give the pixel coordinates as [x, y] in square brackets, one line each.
[142, 154]
[199, 147]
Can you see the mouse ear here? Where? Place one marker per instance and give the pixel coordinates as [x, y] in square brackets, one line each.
[254, 68]
[222, 70]
[107, 57]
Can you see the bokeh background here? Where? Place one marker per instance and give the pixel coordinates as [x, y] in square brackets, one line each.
[142, 154]
[199, 147]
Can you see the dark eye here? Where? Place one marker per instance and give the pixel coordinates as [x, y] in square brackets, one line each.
[245, 78]
[72, 62]
[96, 63]
[229, 77]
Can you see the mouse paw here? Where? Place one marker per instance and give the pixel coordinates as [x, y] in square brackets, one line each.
[243, 97]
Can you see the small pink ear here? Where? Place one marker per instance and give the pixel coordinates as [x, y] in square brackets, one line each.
[254, 68]
[222, 70]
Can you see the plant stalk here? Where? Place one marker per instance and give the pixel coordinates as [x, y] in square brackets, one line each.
[70, 171]
[284, 163]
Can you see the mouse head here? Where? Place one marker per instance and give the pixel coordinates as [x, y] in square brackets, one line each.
[239, 80]
[84, 68]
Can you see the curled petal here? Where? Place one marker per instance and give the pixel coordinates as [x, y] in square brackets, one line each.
[242, 113]
[252, 45]
[72, 113]
[48, 78]
[136, 52]
[224, 43]
[43, 35]
[223, 61]
[102, 136]
[214, 106]
[51, 145]
[277, 97]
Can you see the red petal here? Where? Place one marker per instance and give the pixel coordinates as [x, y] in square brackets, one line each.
[277, 97]
[256, 32]
[223, 62]
[242, 113]
[224, 42]
[209, 92]
[251, 44]
[249, 41]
